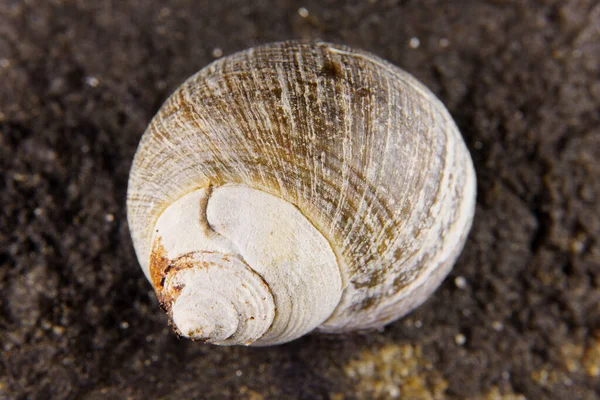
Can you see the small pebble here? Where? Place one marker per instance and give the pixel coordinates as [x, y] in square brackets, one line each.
[497, 326]
[460, 339]
[124, 325]
[238, 373]
[414, 43]
[161, 85]
[303, 12]
[92, 81]
[164, 12]
[418, 324]
[444, 43]
[19, 177]
[217, 52]
[460, 282]
[567, 381]
[576, 246]
[109, 218]
[393, 391]
[58, 330]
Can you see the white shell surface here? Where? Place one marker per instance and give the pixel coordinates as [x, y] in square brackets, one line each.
[235, 255]
[286, 250]
[363, 150]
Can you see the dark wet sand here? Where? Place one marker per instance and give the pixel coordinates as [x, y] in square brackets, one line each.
[518, 316]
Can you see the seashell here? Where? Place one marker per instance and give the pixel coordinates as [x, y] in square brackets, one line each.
[298, 187]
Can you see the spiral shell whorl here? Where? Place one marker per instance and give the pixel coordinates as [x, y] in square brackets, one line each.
[365, 152]
[234, 265]
[239, 312]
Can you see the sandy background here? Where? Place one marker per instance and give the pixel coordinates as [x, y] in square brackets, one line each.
[519, 316]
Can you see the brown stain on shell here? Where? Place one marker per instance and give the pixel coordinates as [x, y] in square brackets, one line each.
[160, 268]
[159, 264]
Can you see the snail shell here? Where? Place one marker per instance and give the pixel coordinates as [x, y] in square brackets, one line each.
[293, 187]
